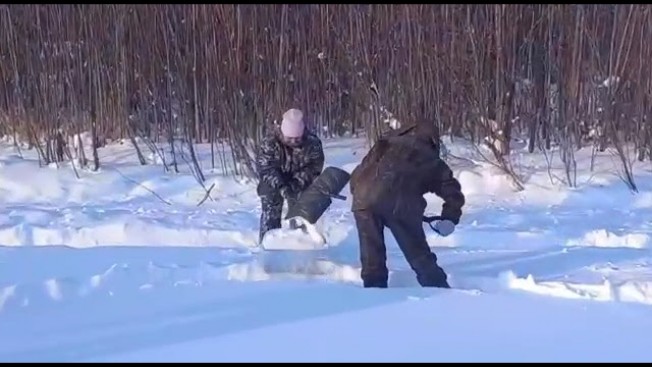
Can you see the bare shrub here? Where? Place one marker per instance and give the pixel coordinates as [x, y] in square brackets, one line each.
[222, 75]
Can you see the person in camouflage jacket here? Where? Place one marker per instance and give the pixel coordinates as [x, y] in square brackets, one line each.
[288, 161]
[387, 190]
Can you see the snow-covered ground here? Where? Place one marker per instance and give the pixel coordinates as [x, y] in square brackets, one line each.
[100, 269]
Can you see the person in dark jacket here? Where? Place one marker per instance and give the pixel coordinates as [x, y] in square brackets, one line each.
[288, 161]
[387, 191]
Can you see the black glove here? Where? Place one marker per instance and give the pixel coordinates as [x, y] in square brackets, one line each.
[295, 187]
[299, 183]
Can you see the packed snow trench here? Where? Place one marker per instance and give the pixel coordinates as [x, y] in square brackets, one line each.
[124, 264]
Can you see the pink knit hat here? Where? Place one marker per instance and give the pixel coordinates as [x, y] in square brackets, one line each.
[292, 125]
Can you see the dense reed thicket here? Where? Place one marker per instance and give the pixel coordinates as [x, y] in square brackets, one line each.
[557, 75]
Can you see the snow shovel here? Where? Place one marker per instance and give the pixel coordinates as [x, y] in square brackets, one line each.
[317, 198]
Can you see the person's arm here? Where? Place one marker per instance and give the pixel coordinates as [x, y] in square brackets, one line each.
[314, 165]
[268, 165]
[447, 187]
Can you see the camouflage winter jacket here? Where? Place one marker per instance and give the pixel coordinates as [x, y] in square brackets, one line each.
[398, 171]
[280, 166]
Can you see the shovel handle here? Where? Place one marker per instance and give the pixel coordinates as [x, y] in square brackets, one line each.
[433, 218]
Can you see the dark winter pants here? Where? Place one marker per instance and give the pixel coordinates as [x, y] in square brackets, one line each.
[272, 210]
[408, 232]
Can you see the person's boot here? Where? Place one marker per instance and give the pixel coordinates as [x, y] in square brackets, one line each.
[430, 274]
[375, 281]
[433, 279]
[374, 284]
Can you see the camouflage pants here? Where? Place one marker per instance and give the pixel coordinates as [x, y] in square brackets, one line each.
[408, 232]
[272, 210]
